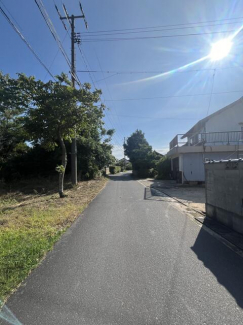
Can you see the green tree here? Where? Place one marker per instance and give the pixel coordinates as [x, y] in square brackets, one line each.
[140, 153]
[57, 111]
[94, 150]
[138, 150]
[13, 104]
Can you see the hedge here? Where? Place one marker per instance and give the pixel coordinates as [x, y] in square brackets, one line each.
[115, 169]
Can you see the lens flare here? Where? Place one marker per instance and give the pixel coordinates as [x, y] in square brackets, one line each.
[220, 49]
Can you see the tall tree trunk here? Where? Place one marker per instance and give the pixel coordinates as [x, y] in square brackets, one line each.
[64, 164]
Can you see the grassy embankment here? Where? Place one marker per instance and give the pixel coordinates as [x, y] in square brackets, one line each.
[32, 219]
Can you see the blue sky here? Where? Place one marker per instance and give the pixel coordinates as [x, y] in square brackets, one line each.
[159, 118]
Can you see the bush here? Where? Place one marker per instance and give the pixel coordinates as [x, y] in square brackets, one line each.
[129, 166]
[163, 168]
[153, 172]
[115, 169]
[141, 173]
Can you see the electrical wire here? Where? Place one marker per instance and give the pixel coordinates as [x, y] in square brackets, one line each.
[94, 82]
[176, 96]
[157, 118]
[56, 54]
[52, 29]
[25, 41]
[163, 26]
[86, 63]
[211, 92]
[157, 30]
[122, 130]
[115, 72]
[11, 15]
[88, 40]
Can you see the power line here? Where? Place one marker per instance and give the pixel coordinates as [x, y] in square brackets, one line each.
[162, 26]
[85, 60]
[108, 90]
[11, 15]
[57, 53]
[211, 92]
[157, 118]
[87, 40]
[176, 96]
[94, 85]
[25, 41]
[52, 29]
[86, 64]
[156, 30]
[117, 72]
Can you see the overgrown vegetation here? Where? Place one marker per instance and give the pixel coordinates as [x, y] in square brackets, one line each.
[163, 168]
[115, 169]
[32, 220]
[38, 121]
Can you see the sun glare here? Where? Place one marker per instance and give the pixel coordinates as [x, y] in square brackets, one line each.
[220, 49]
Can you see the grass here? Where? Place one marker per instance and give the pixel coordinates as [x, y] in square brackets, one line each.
[32, 220]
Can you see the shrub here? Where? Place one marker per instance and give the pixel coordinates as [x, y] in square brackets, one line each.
[141, 173]
[115, 169]
[129, 166]
[153, 172]
[163, 168]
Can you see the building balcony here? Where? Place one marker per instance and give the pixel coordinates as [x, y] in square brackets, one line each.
[216, 141]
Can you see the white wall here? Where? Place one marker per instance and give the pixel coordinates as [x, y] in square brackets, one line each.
[228, 120]
[193, 164]
[193, 167]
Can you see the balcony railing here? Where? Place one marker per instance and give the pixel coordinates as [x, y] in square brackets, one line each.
[216, 138]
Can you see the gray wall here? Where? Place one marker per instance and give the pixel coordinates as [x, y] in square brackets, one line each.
[224, 193]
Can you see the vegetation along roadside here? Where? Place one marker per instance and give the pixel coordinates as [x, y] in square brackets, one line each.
[32, 220]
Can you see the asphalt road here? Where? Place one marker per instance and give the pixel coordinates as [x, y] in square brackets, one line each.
[133, 258]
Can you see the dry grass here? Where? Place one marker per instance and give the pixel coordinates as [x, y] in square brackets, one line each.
[32, 219]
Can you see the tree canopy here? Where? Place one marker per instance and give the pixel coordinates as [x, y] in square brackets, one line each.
[36, 114]
[140, 153]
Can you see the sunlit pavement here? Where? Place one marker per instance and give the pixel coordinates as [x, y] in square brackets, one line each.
[133, 258]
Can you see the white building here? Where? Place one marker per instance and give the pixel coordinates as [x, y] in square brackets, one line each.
[217, 136]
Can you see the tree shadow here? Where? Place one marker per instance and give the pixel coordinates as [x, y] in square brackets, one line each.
[193, 195]
[225, 264]
[121, 177]
[151, 194]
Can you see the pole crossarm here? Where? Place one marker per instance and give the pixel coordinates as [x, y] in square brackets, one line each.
[70, 17]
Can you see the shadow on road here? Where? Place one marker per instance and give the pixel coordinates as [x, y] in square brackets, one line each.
[193, 196]
[152, 195]
[121, 177]
[225, 264]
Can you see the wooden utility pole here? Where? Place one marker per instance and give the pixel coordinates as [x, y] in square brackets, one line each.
[124, 155]
[75, 39]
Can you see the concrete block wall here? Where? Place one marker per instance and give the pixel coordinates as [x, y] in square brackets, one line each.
[224, 192]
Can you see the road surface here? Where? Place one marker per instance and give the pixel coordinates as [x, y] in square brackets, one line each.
[133, 258]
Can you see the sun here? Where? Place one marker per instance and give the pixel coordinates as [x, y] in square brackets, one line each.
[220, 49]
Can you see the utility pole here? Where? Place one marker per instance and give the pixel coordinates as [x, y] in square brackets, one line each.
[75, 39]
[124, 155]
